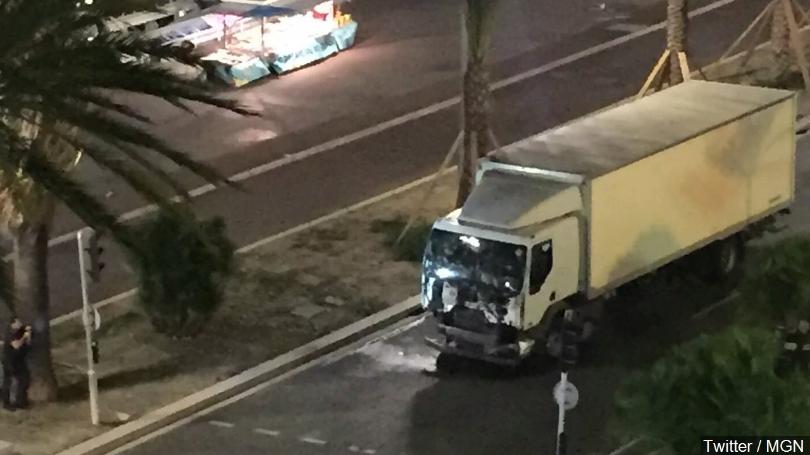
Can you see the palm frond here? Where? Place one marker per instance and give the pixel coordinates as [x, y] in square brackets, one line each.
[52, 74]
[16, 157]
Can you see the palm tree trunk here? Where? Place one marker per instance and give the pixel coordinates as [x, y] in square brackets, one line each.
[780, 38]
[466, 170]
[677, 21]
[31, 283]
[476, 96]
[476, 125]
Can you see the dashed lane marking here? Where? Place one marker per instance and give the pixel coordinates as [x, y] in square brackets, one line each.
[315, 441]
[626, 28]
[221, 424]
[273, 433]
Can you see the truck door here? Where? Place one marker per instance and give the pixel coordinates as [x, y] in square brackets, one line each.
[553, 273]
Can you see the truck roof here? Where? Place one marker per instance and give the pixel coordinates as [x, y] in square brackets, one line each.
[607, 140]
[509, 202]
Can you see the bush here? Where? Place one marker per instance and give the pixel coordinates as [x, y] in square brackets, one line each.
[182, 271]
[411, 247]
[776, 288]
[723, 384]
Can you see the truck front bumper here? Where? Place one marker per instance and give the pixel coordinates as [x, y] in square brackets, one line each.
[479, 346]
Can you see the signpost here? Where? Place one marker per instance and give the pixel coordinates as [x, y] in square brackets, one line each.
[90, 268]
[565, 393]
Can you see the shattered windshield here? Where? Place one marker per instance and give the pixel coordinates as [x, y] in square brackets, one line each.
[480, 262]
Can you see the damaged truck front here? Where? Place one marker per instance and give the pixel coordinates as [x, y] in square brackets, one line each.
[475, 285]
[564, 218]
[491, 274]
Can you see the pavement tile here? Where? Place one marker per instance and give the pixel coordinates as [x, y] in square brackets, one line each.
[308, 310]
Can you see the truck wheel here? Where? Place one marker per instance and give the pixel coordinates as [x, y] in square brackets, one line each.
[446, 363]
[724, 259]
[587, 330]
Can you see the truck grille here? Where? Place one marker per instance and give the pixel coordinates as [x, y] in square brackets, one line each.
[472, 320]
[475, 321]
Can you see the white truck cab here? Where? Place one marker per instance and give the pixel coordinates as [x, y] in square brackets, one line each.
[499, 271]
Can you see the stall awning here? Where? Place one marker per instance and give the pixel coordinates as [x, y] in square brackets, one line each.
[298, 5]
[180, 30]
[270, 11]
[244, 9]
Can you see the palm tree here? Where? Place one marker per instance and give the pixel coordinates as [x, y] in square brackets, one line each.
[723, 384]
[777, 291]
[478, 24]
[677, 23]
[57, 105]
[780, 38]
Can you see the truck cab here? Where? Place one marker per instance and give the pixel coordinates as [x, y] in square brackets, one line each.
[497, 270]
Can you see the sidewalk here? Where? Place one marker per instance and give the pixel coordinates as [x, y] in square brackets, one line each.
[285, 294]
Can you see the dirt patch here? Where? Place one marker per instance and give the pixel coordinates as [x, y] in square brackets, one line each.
[283, 295]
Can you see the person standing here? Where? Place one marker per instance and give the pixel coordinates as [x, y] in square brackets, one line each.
[15, 365]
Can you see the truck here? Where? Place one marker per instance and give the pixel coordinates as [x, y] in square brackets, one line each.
[562, 219]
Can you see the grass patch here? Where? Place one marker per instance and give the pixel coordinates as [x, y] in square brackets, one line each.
[366, 306]
[322, 239]
[412, 245]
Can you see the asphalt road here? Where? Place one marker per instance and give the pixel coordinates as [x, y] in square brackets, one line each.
[383, 397]
[355, 169]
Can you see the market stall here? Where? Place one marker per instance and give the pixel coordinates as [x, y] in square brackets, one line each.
[241, 43]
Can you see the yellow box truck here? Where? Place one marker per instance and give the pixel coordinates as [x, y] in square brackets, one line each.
[563, 218]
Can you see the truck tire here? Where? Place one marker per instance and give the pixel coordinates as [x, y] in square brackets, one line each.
[587, 328]
[724, 260]
[447, 364]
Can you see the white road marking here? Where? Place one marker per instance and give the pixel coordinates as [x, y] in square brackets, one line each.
[626, 447]
[273, 433]
[315, 441]
[409, 117]
[626, 28]
[108, 301]
[354, 449]
[370, 451]
[221, 424]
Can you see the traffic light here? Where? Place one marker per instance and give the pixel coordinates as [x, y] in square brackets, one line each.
[94, 350]
[92, 253]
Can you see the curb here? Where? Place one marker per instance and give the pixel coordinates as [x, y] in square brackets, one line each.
[221, 391]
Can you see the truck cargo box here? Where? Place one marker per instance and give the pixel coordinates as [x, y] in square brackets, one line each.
[667, 174]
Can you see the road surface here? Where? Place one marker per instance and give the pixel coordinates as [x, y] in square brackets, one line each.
[405, 60]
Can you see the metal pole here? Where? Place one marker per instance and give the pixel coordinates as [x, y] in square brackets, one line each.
[561, 443]
[566, 361]
[92, 381]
